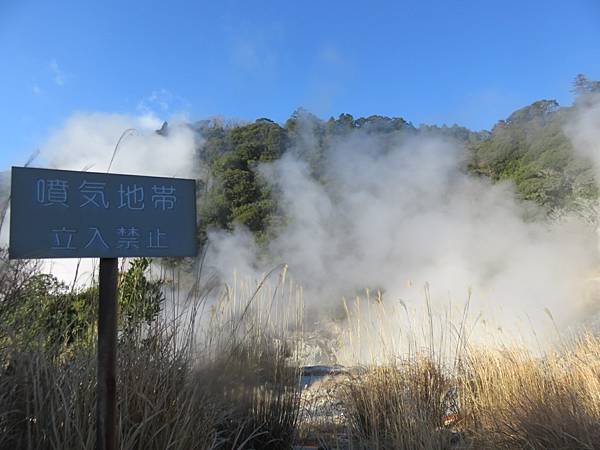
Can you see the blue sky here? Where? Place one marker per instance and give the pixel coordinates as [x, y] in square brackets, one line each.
[470, 62]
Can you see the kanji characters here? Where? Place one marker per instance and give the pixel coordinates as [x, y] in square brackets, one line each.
[131, 197]
[62, 238]
[163, 197]
[156, 239]
[52, 192]
[96, 240]
[128, 237]
[93, 194]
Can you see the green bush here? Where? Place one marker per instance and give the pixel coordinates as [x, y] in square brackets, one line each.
[40, 312]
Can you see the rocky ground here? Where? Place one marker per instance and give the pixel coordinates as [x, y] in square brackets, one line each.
[322, 423]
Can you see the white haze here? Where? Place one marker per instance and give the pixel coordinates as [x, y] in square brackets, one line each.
[584, 130]
[389, 220]
[399, 219]
[87, 141]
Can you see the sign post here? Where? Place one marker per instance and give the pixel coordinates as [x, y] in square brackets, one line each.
[67, 214]
[106, 405]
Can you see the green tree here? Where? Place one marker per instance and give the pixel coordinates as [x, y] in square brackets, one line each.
[39, 311]
[531, 149]
[238, 192]
[140, 299]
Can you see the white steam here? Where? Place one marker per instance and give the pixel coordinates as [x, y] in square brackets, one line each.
[87, 141]
[389, 216]
[584, 129]
[397, 218]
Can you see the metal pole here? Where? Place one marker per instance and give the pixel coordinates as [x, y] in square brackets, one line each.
[106, 402]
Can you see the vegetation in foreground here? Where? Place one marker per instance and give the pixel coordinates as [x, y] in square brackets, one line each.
[235, 385]
[228, 388]
[500, 399]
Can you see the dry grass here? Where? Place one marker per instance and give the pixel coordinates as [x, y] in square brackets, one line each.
[51, 404]
[500, 399]
[400, 407]
[511, 399]
[427, 388]
[228, 388]
[234, 384]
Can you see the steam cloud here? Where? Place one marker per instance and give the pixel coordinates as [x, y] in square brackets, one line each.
[396, 219]
[584, 129]
[88, 141]
[390, 217]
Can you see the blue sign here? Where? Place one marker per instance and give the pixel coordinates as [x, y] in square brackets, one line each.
[68, 214]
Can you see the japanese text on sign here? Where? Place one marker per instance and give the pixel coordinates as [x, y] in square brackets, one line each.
[58, 213]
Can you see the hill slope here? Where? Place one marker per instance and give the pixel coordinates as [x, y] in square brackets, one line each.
[528, 148]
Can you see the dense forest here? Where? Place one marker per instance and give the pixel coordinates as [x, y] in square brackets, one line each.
[529, 148]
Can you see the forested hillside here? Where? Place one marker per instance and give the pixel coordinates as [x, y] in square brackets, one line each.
[528, 148]
[234, 192]
[531, 149]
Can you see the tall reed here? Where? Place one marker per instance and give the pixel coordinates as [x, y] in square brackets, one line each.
[190, 380]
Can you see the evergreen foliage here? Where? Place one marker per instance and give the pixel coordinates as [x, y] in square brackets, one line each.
[40, 312]
[529, 149]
